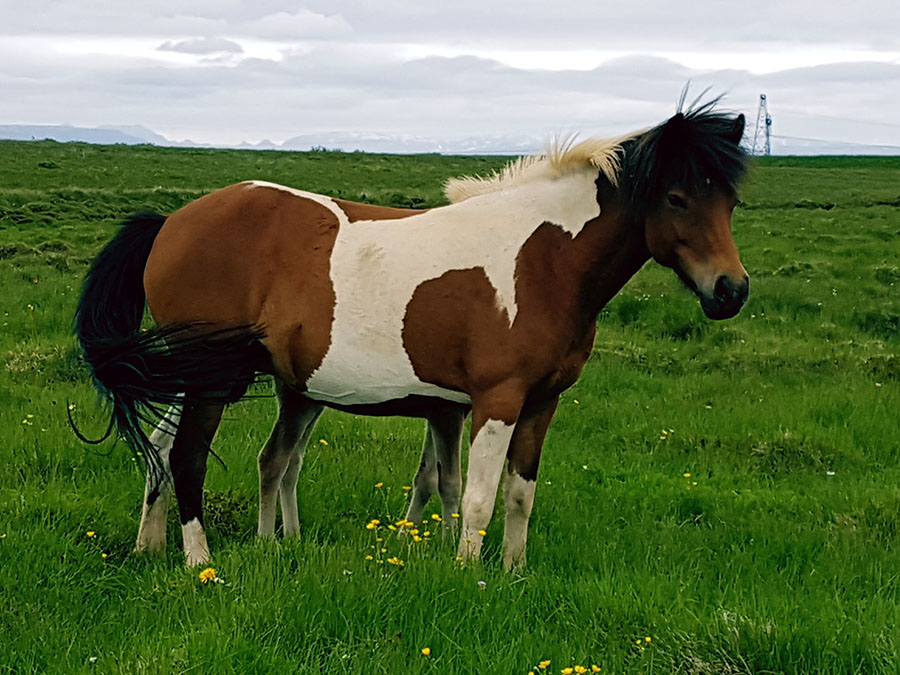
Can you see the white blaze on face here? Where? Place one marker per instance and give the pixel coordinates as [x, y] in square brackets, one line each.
[376, 266]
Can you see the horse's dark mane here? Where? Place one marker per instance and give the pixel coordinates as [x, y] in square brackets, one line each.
[689, 150]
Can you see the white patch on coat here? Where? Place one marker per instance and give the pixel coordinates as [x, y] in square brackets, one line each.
[486, 458]
[376, 267]
[196, 550]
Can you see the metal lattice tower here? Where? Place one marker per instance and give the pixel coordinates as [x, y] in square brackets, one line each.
[763, 129]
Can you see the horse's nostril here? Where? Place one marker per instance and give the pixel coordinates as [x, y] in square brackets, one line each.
[723, 290]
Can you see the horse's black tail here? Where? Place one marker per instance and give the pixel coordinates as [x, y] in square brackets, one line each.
[141, 371]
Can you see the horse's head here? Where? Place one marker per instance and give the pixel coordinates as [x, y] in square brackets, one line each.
[683, 186]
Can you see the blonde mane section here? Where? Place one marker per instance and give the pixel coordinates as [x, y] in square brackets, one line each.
[562, 156]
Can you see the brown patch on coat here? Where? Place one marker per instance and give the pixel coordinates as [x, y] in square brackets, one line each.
[457, 336]
[250, 256]
[356, 211]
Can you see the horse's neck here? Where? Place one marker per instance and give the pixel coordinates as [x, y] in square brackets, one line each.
[614, 250]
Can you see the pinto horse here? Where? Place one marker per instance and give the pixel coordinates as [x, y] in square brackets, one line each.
[487, 305]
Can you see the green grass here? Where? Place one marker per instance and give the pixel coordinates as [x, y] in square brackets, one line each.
[782, 558]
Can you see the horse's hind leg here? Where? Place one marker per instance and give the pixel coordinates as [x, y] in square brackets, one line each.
[152, 531]
[425, 483]
[439, 468]
[281, 458]
[188, 460]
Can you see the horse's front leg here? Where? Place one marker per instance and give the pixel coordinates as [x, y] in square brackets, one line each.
[188, 460]
[521, 479]
[494, 419]
[152, 530]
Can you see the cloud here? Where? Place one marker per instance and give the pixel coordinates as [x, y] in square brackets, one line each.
[202, 46]
[280, 71]
[297, 25]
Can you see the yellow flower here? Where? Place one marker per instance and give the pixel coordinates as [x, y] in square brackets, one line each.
[209, 574]
[103, 555]
[426, 651]
[91, 533]
[371, 526]
[595, 669]
[580, 670]
[648, 639]
[322, 441]
[392, 528]
[687, 475]
[482, 532]
[368, 557]
[435, 517]
[575, 401]
[395, 561]
[454, 515]
[417, 539]
[407, 488]
[426, 533]
[567, 671]
[543, 664]
[378, 485]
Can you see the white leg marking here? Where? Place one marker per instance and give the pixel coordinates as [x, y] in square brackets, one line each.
[279, 465]
[289, 513]
[486, 458]
[426, 481]
[152, 530]
[196, 550]
[518, 498]
[271, 464]
[450, 484]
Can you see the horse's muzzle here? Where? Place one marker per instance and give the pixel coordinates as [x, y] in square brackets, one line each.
[727, 297]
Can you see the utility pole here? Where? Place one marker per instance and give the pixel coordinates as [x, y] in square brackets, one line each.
[762, 133]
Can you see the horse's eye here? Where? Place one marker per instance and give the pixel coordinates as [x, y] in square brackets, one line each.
[676, 201]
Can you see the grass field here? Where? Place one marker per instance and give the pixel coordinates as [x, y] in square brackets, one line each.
[714, 497]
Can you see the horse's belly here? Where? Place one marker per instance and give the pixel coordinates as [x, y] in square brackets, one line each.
[351, 376]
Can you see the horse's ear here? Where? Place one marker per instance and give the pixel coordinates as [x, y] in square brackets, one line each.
[673, 132]
[675, 125]
[737, 130]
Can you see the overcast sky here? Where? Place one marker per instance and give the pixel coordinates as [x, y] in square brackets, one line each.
[225, 71]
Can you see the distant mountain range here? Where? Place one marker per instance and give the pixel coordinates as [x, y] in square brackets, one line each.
[348, 142]
[380, 143]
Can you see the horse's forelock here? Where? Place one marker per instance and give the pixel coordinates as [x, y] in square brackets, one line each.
[690, 149]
